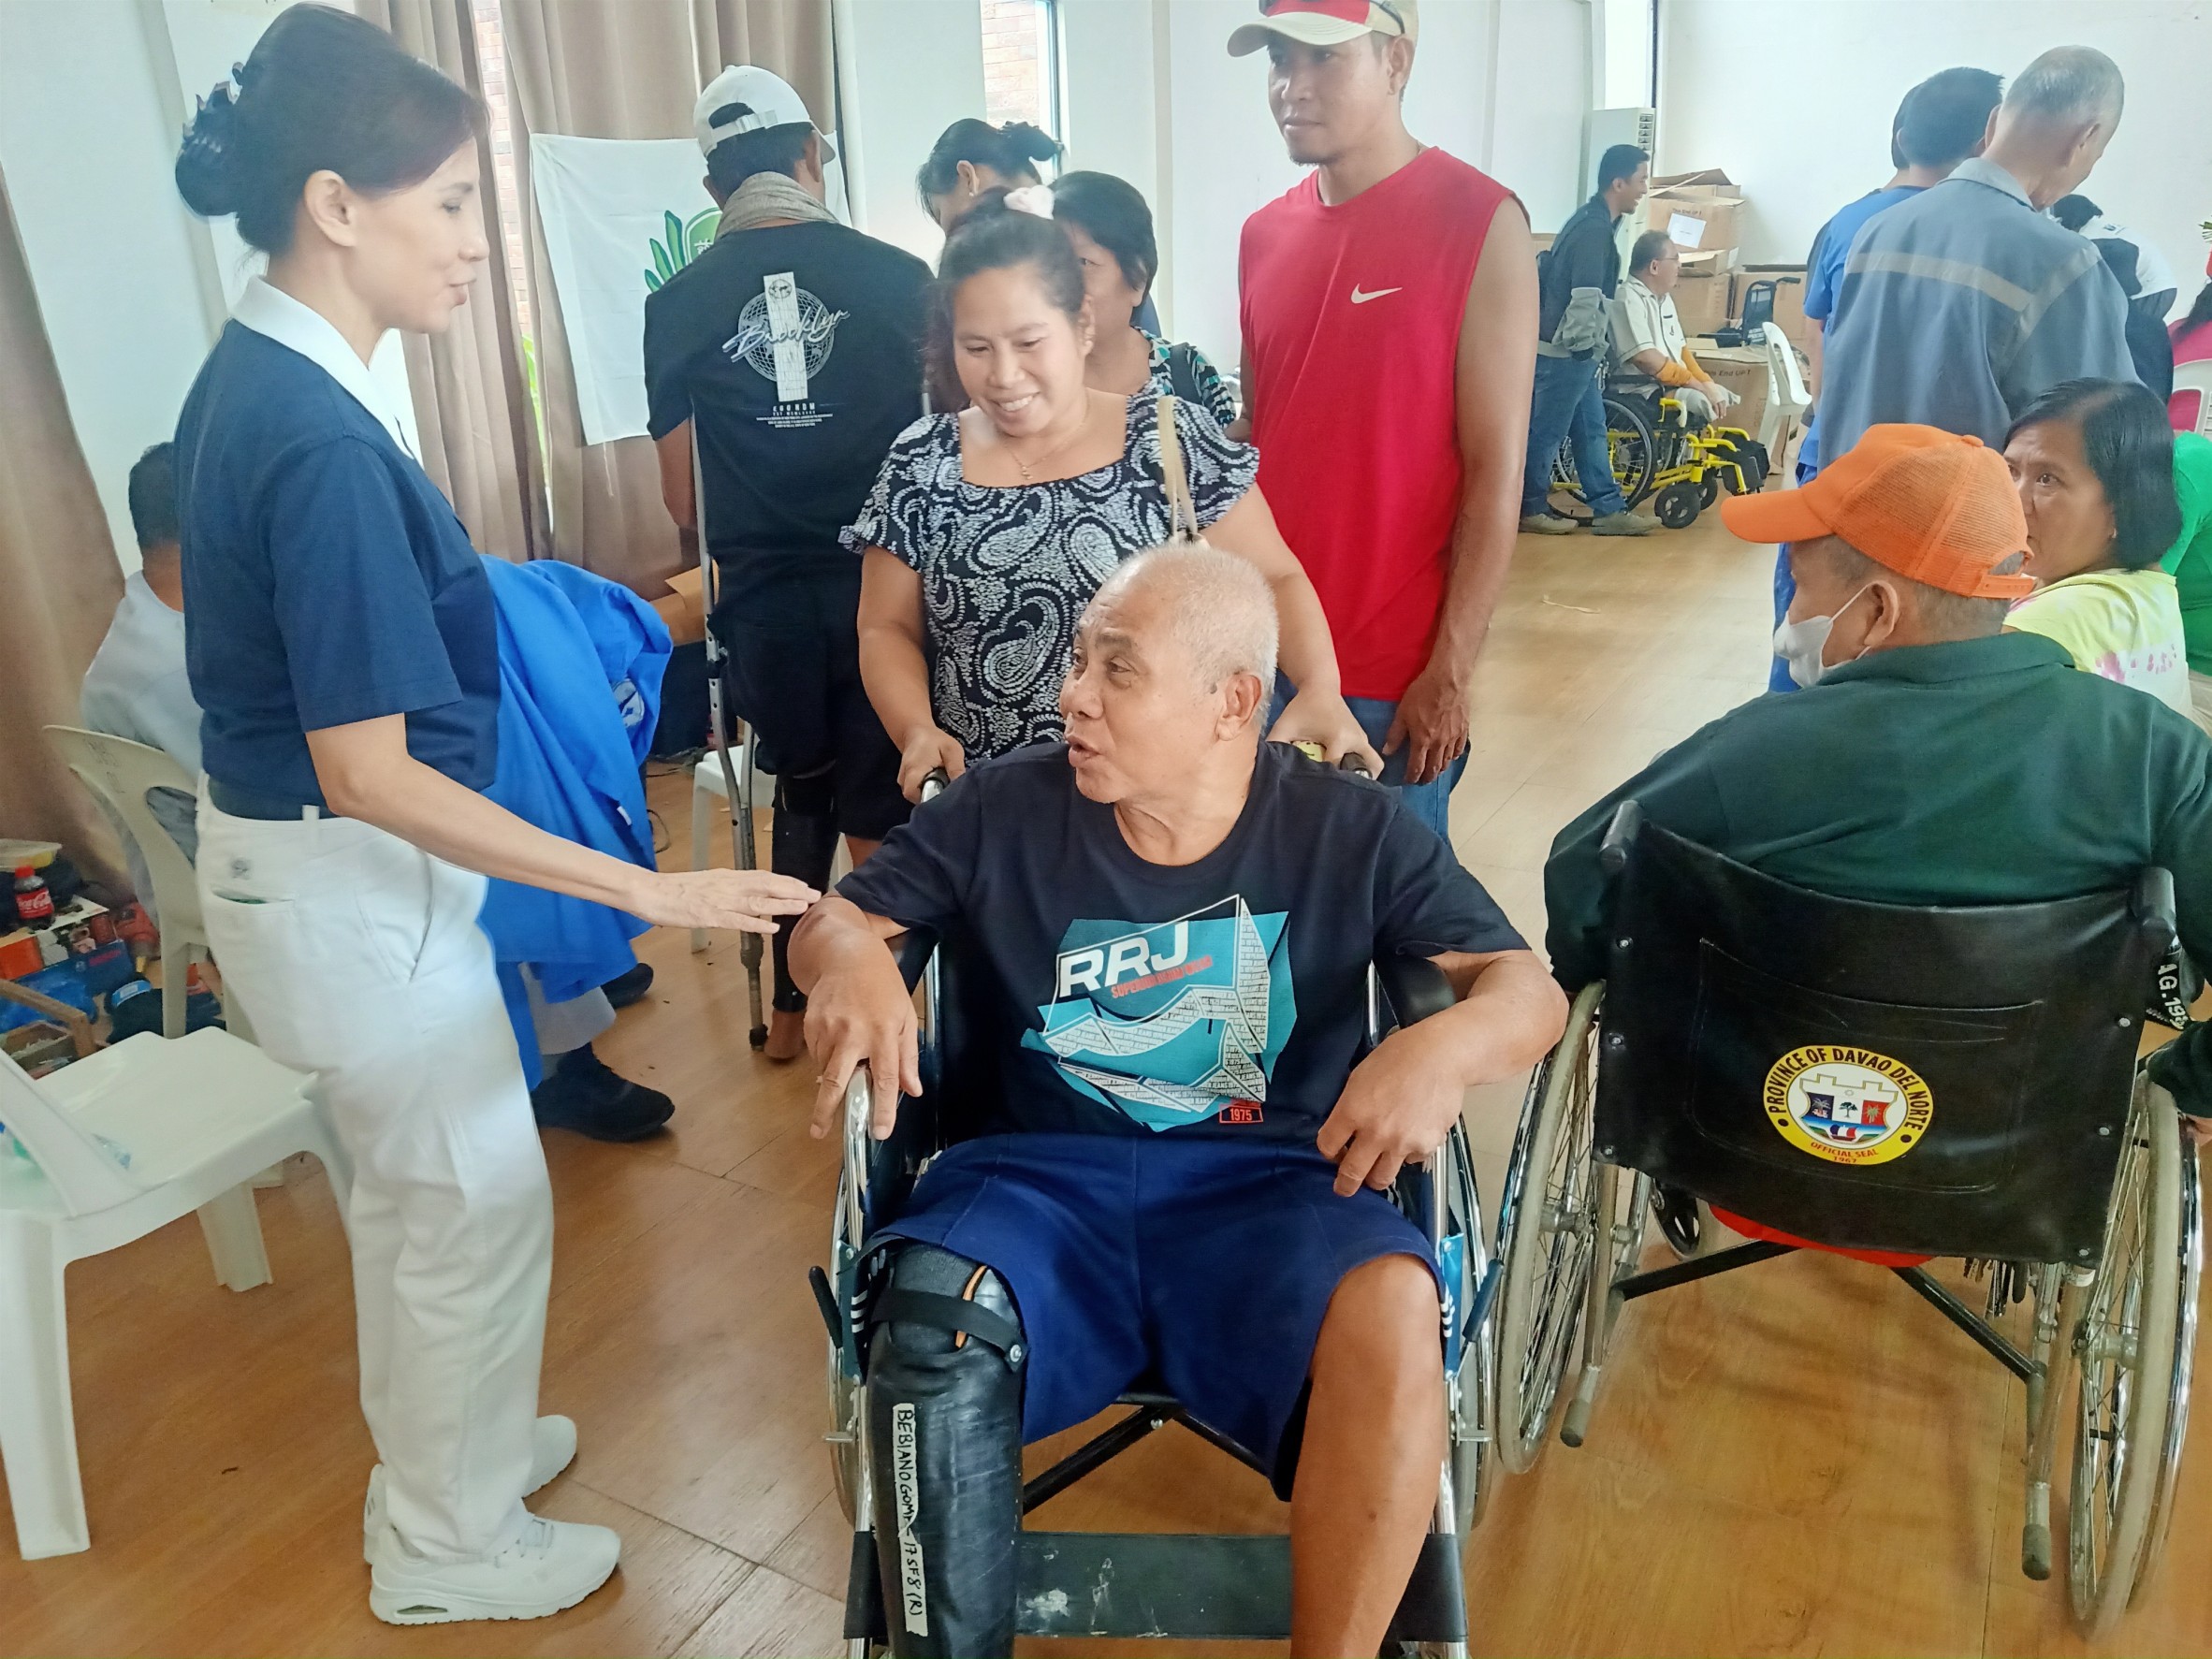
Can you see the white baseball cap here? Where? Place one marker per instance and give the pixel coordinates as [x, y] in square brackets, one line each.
[746, 99]
[1326, 22]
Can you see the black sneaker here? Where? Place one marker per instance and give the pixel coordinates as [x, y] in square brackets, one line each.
[626, 988]
[581, 1095]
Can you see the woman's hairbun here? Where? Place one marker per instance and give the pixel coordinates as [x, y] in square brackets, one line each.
[207, 177]
[1031, 140]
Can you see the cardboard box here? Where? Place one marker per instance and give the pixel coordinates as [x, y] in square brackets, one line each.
[1700, 211]
[1743, 369]
[1701, 293]
[1789, 298]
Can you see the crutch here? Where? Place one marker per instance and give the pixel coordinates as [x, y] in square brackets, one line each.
[737, 773]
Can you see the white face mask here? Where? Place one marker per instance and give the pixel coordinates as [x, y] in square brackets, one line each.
[1800, 644]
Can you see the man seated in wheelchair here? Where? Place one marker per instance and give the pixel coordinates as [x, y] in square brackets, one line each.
[1648, 337]
[1181, 1175]
[1935, 757]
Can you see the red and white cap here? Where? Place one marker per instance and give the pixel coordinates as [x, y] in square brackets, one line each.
[1325, 22]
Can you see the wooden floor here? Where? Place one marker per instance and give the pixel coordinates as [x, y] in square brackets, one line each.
[1800, 1459]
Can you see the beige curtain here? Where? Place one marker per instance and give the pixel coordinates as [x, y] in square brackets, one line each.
[59, 581]
[471, 404]
[630, 69]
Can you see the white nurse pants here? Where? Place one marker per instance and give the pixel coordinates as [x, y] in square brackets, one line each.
[358, 957]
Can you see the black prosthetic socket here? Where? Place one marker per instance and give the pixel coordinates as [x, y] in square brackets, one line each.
[803, 843]
[945, 1434]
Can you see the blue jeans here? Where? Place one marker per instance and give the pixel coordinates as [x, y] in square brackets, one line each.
[1568, 401]
[1430, 802]
[1785, 589]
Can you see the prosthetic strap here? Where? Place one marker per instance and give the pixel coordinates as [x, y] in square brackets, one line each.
[802, 843]
[945, 1433]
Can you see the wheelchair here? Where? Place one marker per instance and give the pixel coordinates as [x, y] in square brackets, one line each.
[1177, 1587]
[1657, 456]
[1857, 1077]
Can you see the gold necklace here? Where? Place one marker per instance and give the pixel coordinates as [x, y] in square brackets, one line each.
[1028, 469]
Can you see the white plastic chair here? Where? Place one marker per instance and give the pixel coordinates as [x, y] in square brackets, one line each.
[121, 773]
[121, 1142]
[2197, 378]
[1786, 398]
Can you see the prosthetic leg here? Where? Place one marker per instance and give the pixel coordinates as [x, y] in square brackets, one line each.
[945, 1440]
[803, 843]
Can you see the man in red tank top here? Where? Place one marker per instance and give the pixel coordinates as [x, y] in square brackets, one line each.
[1388, 305]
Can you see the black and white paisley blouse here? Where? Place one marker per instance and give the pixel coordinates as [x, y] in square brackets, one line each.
[1007, 570]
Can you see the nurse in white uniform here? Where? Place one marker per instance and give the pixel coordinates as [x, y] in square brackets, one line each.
[341, 639]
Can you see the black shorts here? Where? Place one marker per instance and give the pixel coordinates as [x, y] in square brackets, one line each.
[793, 671]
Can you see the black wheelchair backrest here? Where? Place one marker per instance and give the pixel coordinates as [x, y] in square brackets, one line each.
[1947, 1080]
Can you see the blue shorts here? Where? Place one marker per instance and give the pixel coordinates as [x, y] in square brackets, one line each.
[1202, 1265]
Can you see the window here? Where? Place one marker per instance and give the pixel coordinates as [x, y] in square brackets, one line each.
[1022, 63]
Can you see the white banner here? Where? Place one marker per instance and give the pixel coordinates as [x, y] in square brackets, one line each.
[621, 217]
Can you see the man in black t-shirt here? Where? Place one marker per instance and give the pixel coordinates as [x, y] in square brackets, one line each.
[1165, 933]
[792, 349]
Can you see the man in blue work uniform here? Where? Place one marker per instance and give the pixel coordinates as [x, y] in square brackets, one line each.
[1942, 121]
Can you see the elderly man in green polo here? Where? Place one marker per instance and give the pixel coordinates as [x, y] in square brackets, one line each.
[1932, 758]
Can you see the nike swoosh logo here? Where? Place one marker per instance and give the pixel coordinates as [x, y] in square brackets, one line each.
[1359, 299]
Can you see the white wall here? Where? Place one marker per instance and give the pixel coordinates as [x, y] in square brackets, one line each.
[917, 67]
[87, 148]
[133, 288]
[1152, 95]
[1795, 101]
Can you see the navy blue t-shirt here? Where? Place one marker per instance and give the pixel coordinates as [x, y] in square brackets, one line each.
[1226, 997]
[326, 579]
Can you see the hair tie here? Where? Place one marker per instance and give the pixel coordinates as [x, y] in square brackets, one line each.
[1032, 198]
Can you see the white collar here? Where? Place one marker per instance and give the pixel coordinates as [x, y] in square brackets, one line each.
[268, 311]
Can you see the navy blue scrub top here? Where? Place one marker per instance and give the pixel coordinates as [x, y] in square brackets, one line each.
[326, 579]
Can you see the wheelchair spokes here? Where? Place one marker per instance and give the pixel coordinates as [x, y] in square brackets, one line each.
[2191, 1265]
[1549, 1264]
[2124, 1346]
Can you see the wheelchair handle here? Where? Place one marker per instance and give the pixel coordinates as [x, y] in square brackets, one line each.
[936, 783]
[1612, 852]
[1357, 766]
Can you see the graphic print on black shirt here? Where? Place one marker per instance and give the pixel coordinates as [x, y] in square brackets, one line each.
[786, 335]
[1116, 996]
[1175, 1022]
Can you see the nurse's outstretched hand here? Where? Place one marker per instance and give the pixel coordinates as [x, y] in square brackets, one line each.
[749, 901]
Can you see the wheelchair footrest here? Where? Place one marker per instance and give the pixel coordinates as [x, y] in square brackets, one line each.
[1195, 1587]
[1186, 1586]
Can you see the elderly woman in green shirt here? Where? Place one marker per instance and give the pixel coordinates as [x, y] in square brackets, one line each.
[2188, 562]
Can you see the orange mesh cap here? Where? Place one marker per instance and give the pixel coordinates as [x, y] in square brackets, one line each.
[1931, 506]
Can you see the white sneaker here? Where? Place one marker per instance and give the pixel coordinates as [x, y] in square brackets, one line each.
[552, 1449]
[553, 1565]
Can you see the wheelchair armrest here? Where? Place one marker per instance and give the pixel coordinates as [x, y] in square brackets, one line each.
[2180, 983]
[912, 950]
[1416, 987]
[1612, 851]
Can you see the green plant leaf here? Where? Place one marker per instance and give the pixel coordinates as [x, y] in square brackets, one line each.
[663, 263]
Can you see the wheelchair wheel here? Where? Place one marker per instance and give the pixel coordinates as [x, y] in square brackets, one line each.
[1709, 489]
[846, 1400]
[2185, 1347]
[1546, 1222]
[1635, 447]
[1679, 505]
[2125, 1349]
[1470, 1396]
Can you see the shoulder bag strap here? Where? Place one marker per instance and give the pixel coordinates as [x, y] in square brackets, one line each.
[1183, 526]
